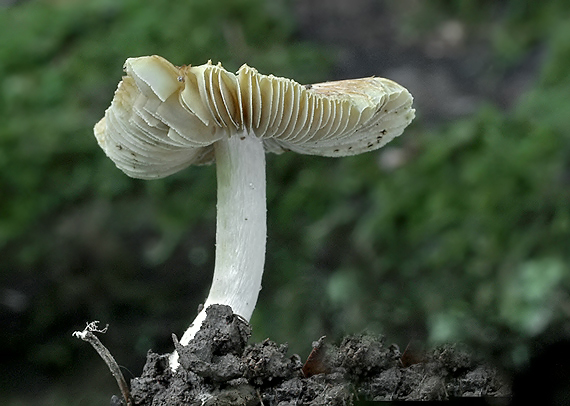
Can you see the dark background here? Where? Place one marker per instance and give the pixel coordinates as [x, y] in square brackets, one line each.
[457, 231]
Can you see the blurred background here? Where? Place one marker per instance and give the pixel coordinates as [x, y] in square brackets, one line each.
[457, 231]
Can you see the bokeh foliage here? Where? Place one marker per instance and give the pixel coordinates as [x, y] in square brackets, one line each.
[467, 238]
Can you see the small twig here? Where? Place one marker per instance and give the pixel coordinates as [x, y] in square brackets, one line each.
[87, 335]
[259, 397]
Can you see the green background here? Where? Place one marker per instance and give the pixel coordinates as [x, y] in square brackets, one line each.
[457, 231]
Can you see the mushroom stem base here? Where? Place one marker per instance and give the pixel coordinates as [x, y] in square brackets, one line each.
[240, 229]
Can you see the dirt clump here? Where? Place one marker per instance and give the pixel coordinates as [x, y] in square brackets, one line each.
[218, 367]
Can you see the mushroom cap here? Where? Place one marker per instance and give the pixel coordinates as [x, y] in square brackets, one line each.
[164, 118]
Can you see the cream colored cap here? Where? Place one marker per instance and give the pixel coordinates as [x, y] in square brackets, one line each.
[164, 118]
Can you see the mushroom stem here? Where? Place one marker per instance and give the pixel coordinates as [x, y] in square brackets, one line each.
[240, 230]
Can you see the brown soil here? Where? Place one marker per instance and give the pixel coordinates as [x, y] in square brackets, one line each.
[218, 367]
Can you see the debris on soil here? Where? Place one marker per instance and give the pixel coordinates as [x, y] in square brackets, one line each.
[88, 335]
[218, 367]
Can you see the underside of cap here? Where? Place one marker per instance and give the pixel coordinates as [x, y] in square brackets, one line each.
[164, 118]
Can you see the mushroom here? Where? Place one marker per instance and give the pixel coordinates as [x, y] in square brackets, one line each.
[164, 118]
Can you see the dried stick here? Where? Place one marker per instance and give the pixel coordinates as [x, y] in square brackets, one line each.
[87, 335]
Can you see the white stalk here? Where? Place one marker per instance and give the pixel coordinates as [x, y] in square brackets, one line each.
[240, 230]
